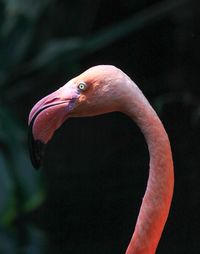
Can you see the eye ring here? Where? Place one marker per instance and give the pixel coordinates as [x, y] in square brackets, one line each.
[82, 86]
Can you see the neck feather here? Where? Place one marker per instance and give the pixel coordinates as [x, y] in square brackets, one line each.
[157, 198]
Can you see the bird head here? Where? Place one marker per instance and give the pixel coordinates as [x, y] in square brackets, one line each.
[96, 91]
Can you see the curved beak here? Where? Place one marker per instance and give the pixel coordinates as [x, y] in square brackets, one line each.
[45, 117]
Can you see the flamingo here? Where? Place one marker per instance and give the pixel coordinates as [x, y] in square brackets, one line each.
[103, 89]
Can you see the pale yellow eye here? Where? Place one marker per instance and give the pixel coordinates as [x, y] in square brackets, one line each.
[82, 86]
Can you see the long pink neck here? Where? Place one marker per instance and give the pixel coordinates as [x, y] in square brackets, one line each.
[157, 199]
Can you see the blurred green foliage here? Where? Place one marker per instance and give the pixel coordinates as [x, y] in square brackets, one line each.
[21, 188]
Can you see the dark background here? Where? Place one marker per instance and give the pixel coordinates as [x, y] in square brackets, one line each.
[87, 196]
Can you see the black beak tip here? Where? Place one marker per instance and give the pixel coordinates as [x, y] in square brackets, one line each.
[36, 149]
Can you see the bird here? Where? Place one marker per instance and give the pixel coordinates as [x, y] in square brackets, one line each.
[103, 89]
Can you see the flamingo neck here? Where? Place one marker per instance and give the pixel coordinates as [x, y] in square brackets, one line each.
[157, 198]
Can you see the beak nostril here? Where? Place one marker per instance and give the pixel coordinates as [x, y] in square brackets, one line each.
[52, 100]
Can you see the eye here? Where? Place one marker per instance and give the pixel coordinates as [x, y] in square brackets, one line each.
[82, 86]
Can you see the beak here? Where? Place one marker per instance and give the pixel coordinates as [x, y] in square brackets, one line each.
[45, 117]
